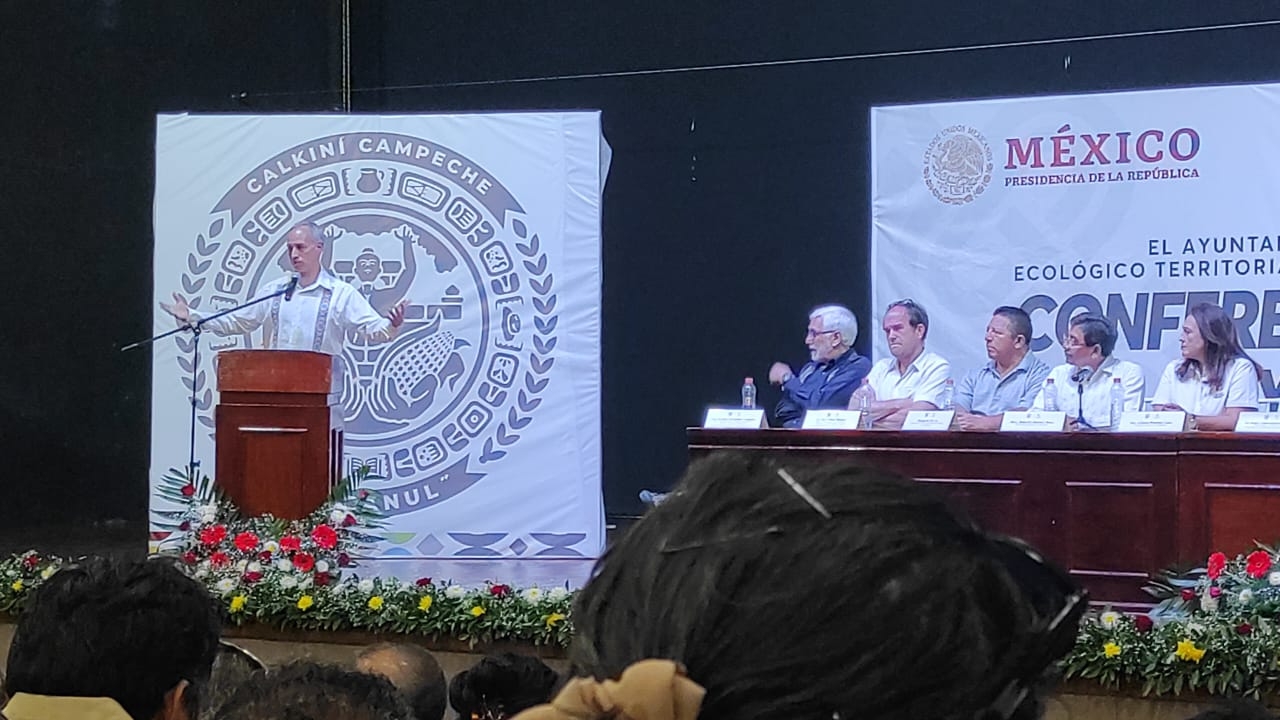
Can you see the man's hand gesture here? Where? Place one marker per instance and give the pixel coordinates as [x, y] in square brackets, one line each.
[178, 309]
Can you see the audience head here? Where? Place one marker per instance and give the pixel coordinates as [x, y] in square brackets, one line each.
[906, 325]
[308, 691]
[1235, 709]
[832, 331]
[141, 633]
[818, 589]
[1008, 335]
[1210, 344]
[500, 686]
[1090, 340]
[413, 671]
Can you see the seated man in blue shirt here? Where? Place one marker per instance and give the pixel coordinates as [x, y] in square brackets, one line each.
[834, 371]
[1009, 381]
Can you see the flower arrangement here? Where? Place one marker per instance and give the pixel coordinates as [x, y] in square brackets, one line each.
[1215, 630]
[299, 574]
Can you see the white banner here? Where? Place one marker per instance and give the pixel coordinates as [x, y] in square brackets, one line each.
[489, 225]
[1135, 205]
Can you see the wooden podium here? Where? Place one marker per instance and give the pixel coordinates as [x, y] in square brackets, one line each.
[279, 430]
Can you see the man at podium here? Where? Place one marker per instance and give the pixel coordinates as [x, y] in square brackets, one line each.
[316, 312]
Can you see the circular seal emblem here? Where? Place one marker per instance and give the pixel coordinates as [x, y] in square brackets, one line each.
[958, 165]
[404, 218]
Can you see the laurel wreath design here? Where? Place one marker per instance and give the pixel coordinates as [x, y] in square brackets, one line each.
[198, 263]
[541, 281]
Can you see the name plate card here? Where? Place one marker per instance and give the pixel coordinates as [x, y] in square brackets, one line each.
[928, 420]
[1034, 421]
[1258, 422]
[1171, 421]
[830, 420]
[734, 419]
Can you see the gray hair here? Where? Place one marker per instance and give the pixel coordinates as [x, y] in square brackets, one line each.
[840, 319]
[313, 229]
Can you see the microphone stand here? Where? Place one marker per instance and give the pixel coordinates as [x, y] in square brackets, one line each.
[197, 329]
[1080, 406]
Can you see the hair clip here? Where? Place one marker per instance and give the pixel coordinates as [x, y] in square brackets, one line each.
[804, 494]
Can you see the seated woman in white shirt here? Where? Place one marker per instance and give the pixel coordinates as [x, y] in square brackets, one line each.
[1215, 380]
[1082, 386]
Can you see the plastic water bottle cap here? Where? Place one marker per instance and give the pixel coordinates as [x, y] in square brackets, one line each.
[748, 381]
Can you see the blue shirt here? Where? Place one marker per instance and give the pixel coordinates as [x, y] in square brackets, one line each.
[821, 385]
[984, 392]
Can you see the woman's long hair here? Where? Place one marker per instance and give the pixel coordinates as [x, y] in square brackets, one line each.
[1221, 346]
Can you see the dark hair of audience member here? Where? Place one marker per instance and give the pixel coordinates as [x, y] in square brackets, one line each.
[131, 631]
[500, 686]
[413, 671]
[310, 691]
[882, 604]
[1235, 709]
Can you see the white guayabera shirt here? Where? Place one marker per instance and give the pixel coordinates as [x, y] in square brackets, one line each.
[1097, 390]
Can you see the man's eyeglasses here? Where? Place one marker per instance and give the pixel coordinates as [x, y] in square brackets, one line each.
[812, 334]
[1070, 342]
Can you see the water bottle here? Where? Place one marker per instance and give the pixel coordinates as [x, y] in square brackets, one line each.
[1050, 396]
[748, 393]
[949, 395]
[864, 405]
[1117, 402]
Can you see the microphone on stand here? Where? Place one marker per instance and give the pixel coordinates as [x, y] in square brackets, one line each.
[1079, 376]
[293, 285]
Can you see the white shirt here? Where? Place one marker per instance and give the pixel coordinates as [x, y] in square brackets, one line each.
[922, 382]
[1097, 391]
[318, 317]
[1239, 389]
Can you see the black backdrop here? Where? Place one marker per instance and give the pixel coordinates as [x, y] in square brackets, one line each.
[737, 199]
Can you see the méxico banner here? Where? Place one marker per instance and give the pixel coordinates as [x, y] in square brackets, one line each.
[1135, 205]
[483, 415]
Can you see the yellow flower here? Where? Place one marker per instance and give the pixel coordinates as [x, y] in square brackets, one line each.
[17, 586]
[375, 602]
[1187, 650]
[424, 603]
[305, 602]
[477, 611]
[237, 603]
[1111, 649]
[554, 618]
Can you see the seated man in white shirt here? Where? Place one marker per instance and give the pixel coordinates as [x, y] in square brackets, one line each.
[1215, 379]
[1083, 384]
[912, 379]
[317, 316]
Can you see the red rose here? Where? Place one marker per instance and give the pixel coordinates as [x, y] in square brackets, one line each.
[322, 579]
[185, 525]
[219, 559]
[1244, 629]
[423, 582]
[246, 542]
[344, 560]
[290, 543]
[325, 537]
[1215, 591]
[303, 562]
[265, 556]
[31, 561]
[1257, 564]
[1217, 563]
[252, 577]
[189, 558]
[500, 591]
[349, 520]
[363, 494]
[188, 490]
[213, 535]
[1188, 594]
[1143, 623]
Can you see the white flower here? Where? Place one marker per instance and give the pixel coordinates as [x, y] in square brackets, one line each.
[1246, 596]
[322, 566]
[365, 586]
[254, 566]
[283, 565]
[225, 585]
[1109, 619]
[556, 594]
[338, 515]
[532, 594]
[242, 565]
[1274, 578]
[201, 572]
[288, 581]
[271, 546]
[304, 581]
[48, 572]
[1208, 603]
[455, 592]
